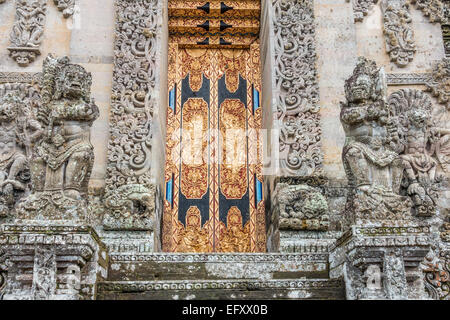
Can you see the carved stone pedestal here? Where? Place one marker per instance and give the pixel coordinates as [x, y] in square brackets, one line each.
[299, 210]
[51, 262]
[381, 261]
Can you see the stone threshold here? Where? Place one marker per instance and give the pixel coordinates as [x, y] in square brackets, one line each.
[142, 286]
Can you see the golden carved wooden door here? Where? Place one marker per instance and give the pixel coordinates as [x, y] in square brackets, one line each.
[213, 185]
[213, 199]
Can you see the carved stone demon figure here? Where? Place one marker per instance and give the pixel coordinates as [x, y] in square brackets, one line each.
[413, 111]
[62, 161]
[372, 164]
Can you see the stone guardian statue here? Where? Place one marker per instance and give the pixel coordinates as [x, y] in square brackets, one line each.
[62, 160]
[370, 154]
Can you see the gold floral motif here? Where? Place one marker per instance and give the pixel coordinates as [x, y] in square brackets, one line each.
[193, 238]
[234, 237]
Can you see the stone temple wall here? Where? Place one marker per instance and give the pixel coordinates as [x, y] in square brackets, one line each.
[355, 99]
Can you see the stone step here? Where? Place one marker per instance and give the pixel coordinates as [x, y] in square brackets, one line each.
[222, 290]
[233, 266]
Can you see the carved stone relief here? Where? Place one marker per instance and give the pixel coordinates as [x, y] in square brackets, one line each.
[413, 110]
[435, 10]
[394, 275]
[17, 131]
[44, 274]
[301, 207]
[396, 79]
[297, 88]
[129, 189]
[361, 8]
[27, 32]
[398, 31]
[51, 262]
[436, 268]
[439, 86]
[62, 155]
[66, 6]
[370, 157]
[28, 29]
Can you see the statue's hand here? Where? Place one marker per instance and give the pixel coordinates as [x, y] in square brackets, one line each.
[415, 189]
[8, 191]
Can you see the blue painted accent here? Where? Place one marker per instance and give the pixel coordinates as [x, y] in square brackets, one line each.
[169, 190]
[172, 99]
[255, 100]
[259, 191]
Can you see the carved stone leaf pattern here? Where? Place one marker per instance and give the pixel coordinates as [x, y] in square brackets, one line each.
[394, 275]
[361, 8]
[433, 9]
[296, 83]
[129, 148]
[44, 274]
[439, 84]
[436, 268]
[398, 31]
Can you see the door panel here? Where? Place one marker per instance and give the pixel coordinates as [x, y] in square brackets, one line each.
[213, 200]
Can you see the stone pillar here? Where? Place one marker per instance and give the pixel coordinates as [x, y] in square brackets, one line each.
[293, 155]
[51, 262]
[381, 262]
[136, 148]
[391, 212]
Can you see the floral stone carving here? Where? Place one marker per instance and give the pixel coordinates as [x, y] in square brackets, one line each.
[63, 156]
[372, 165]
[398, 31]
[436, 268]
[439, 86]
[129, 150]
[433, 9]
[361, 8]
[301, 207]
[297, 88]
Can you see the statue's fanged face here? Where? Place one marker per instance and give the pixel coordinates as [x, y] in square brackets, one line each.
[8, 111]
[361, 88]
[7, 145]
[419, 117]
[73, 83]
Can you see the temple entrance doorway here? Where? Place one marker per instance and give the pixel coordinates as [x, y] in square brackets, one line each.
[214, 194]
